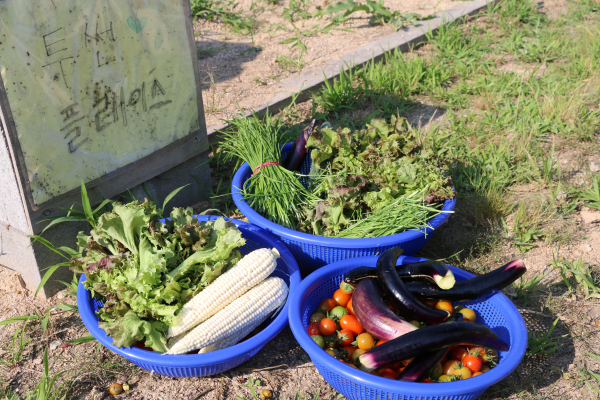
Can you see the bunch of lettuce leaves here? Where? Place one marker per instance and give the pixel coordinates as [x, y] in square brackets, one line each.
[144, 270]
[357, 173]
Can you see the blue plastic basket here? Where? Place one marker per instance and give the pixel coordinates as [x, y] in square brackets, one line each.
[496, 312]
[209, 363]
[311, 251]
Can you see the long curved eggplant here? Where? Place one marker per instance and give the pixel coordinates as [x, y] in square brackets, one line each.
[374, 315]
[473, 288]
[421, 365]
[423, 271]
[395, 289]
[431, 338]
[296, 156]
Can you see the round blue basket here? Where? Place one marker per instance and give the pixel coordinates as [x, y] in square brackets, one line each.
[311, 251]
[496, 312]
[191, 365]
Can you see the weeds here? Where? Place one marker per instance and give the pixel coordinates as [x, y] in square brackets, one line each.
[579, 277]
[591, 196]
[215, 10]
[526, 287]
[17, 347]
[543, 344]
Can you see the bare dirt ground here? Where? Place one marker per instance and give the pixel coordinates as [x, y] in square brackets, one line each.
[234, 74]
[283, 367]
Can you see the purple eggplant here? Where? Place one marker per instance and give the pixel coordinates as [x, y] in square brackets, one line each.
[394, 288]
[429, 339]
[473, 288]
[374, 315]
[295, 157]
[421, 365]
[424, 271]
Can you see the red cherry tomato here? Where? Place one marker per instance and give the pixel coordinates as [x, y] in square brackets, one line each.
[458, 352]
[327, 327]
[430, 303]
[426, 380]
[313, 329]
[472, 362]
[341, 298]
[345, 336]
[351, 323]
[387, 373]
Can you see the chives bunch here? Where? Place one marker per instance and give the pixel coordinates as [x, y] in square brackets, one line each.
[405, 213]
[273, 191]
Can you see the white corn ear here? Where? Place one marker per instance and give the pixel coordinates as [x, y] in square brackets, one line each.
[233, 339]
[249, 310]
[252, 269]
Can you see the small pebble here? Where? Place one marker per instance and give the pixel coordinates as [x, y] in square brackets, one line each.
[594, 167]
[54, 345]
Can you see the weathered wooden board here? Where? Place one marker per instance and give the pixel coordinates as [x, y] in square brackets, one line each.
[99, 91]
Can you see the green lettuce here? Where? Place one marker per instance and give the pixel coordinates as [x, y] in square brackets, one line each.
[144, 270]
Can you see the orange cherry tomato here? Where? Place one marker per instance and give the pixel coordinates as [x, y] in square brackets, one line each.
[327, 305]
[345, 337]
[381, 342]
[365, 341]
[400, 370]
[484, 368]
[350, 350]
[341, 298]
[351, 323]
[327, 327]
[426, 380]
[468, 314]
[346, 287]
[387, 373]
[476, 374]
[349, 307]
[444, 306]
[407, 361]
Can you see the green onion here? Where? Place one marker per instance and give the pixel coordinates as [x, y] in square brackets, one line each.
[406, 213]
[273, 191]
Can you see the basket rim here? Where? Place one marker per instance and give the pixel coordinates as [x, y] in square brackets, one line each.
[324, 241]
[502, 370]
[84, 300]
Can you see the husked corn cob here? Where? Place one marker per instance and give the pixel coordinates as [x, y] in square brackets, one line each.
[245, 311]
[252, 269]
[233, 339]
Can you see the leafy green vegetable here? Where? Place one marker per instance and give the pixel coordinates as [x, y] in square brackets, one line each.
[144, 270]
[356, 174]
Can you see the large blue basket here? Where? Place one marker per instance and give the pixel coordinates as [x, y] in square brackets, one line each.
[209, 363]
[496, 312]
[311, 251]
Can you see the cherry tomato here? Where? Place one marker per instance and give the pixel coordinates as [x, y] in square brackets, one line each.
[426, 380]
[365, 341]
[351, 323]
[484, 368]
[313, 329]
[468, 314]
[430, 303]
[380, 342]
[337, 313]
[317, 317]
[332, 352]
[415, 323]
[352, 365]
[346, 287]
[393, 366]
[400, 370]
[464, 373]
[445, 378]
[458, 352]
[451, 366]
[345, 337]
[327, 305]
[350, 350]
[327, 327]
[486, 355]
[472, 362]
[387, 373]
[341, 298]
[318, 339]
[349, 307]
[444, 306]
[476, 374]
[357, 353]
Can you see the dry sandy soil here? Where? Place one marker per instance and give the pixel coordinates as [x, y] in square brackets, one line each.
[232, 73]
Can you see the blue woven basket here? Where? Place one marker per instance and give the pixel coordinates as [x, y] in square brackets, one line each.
[311, 251]
[209, 363]
[496, 312]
